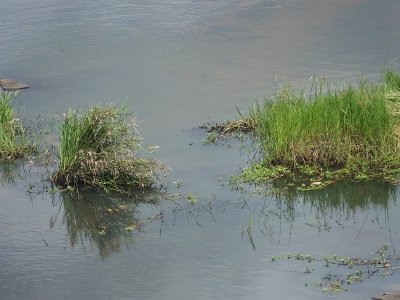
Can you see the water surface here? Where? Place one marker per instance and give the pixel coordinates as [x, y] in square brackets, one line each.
[178, 64]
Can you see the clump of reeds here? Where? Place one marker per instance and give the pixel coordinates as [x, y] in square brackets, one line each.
[100, 150]
[13, 142]
[333, 129]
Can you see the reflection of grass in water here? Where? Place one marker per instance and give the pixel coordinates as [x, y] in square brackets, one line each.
[10, 172]
[347, 197]
[106, 223]
[335, 204]
[341, 201]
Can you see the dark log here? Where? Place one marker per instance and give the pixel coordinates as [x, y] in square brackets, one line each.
[12, 85]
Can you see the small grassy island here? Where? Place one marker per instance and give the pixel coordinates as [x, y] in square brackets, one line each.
[327, 135]
[100, 150]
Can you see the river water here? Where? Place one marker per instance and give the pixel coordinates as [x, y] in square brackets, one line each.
[178, 64]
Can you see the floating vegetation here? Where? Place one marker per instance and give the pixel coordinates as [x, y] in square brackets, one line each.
[191, 199]
[100, 150]
[358, 269]
[13, 141]
[327, 136]
[221, 130]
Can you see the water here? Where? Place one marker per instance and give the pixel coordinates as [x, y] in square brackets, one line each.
[178, 64]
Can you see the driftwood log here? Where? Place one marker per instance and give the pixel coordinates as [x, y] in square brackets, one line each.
[12, 85]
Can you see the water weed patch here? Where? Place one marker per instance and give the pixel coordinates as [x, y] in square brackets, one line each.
[354, 270]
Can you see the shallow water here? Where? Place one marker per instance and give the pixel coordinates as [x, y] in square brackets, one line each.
[178, 64]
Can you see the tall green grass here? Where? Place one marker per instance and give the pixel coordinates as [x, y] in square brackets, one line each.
[391, 81]
[391, 88]
[334, 129]
[100, 150]
[13, 142]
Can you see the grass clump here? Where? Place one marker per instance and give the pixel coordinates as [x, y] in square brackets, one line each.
[100, 150]
[13, 143]
[391, 88]
[327, 131]
[349, 131]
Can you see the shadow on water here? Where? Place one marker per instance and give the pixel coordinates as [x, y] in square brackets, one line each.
[98, 221]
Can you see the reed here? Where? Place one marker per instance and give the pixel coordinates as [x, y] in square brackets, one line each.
[100, 150]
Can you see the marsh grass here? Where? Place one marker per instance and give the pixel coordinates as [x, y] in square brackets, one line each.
[391, 87]
[100, 150]
[329, 131]
[13, 142]
[351, 131]
[391, 81]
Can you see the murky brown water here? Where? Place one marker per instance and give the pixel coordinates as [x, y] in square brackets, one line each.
[178, 64]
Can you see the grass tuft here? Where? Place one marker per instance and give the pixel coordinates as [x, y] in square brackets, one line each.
[100, 150]
[13, 142]
[353, 128]
[391, 87]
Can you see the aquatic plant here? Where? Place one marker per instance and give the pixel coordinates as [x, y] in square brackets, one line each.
[100, 150]
[380, 262]
[329, 134]
[221, 130]
[13, 143]
[333, 129]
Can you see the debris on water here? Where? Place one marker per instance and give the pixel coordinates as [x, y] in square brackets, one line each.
[156, 217]
[388, 296]
[12, 85]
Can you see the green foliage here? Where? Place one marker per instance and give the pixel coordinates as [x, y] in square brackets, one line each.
[13, 142]
[391, 87]
[259, 173]
[391, 81]
[191, 199]
[347, 132]
[211, 138]
[100, 150]
[327, 131]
